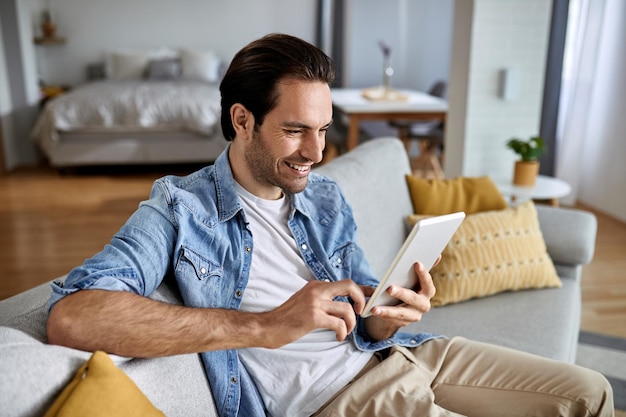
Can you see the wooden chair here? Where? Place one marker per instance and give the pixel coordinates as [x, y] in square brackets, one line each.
[429, 134]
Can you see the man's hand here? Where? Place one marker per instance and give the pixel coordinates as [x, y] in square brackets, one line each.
[386, 320]
[313, 308]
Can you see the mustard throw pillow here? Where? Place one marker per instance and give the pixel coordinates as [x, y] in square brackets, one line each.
[100, 389]
[492, 252]
[444, 196]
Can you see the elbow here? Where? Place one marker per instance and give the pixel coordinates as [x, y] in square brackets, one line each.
[55, 326]
[61, 324]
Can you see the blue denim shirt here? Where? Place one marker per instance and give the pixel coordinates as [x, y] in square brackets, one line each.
[195, 226]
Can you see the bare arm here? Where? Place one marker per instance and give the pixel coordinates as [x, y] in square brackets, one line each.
[131, 325]
[385, 321]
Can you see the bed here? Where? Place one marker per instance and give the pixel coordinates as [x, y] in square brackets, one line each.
[146, 110]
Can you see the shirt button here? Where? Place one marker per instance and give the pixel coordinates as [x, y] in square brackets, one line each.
[248, 249]
[304, 246]
[326, 280]
[203, 270]
[239, 293]
[233, 380]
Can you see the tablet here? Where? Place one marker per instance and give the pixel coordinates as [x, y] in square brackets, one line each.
[427, 240]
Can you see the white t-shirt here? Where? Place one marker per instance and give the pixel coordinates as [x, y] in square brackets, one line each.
[296, 379]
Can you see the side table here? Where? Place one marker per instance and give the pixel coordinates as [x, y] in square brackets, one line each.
[546, 188]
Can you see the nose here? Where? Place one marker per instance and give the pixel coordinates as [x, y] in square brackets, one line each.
[313, 146]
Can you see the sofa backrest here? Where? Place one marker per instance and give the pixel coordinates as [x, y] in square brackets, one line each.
[372, 177]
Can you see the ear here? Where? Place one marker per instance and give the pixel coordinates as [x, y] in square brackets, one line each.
[242, 119]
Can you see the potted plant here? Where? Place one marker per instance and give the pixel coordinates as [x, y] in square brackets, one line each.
[527, 168]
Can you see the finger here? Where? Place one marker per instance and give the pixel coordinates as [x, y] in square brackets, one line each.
[367, 290]
[348, 288]
[343, 311]
[339, 317]
[400, 315]
[426, 285]
[410, 298]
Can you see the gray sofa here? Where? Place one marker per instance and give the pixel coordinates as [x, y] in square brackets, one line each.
[544, 322]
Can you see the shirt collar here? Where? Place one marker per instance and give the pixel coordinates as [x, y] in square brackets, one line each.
[227, 199]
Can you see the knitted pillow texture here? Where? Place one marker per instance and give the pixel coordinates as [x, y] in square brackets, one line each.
[492, 252]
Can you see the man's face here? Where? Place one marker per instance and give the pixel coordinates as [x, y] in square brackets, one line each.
[291, 139]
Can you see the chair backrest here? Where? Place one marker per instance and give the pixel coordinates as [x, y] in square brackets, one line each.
[438, 89]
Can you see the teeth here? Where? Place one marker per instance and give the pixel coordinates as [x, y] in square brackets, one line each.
[300, 168]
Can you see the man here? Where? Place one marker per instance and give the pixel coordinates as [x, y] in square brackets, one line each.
[265, 255]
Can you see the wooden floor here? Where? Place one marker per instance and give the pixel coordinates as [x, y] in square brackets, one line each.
[50, 223]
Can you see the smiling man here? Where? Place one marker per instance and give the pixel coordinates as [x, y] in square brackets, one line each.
[265, 255]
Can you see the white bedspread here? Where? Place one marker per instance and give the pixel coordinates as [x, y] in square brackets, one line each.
[132, 106]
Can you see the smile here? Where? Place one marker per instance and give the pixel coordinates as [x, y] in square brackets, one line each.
[301, 168]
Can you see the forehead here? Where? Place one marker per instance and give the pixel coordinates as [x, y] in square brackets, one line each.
[304, 99]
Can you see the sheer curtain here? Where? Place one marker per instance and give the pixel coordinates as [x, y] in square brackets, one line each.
[584, 32]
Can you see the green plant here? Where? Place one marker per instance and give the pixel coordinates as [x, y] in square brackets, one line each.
[528, 150]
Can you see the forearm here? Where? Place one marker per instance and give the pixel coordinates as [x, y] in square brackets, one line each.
[130, 325]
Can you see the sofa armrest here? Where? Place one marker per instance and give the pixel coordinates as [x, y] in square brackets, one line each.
[570, 234]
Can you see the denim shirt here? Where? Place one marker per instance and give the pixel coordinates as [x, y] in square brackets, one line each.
[195, 226]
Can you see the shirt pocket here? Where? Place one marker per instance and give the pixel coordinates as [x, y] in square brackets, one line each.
[193, 264]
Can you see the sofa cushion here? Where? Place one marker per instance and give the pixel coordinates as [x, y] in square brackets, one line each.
[542, 322]
[443, 196]
[492, 252]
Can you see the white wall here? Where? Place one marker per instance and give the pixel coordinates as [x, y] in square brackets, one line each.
[491, 35]
[94, 27]
[6, 124]
[19, 96]
[603, 166]
[419, 33]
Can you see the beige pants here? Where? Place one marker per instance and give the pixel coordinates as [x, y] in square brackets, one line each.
[458, 377]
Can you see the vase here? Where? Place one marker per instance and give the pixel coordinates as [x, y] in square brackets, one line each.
[48, 29]
[387, 73]
[525, 173]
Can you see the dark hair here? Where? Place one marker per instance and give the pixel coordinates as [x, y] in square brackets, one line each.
[255, 71]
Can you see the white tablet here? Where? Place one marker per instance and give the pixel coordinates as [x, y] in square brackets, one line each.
[427, 240]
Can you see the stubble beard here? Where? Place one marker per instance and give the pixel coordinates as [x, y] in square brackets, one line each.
[264, 167]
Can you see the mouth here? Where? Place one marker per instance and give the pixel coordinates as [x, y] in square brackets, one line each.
[302, 169]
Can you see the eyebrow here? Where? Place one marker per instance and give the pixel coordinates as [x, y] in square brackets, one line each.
[304, 126]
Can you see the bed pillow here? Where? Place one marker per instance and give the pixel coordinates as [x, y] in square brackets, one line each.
[127, 65]
[164, 69]
[200, 65]
[444, 196]
[492, 252]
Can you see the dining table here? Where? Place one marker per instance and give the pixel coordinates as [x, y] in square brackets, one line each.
[359, 104]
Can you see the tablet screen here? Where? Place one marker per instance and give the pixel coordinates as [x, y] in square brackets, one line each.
[427, 240]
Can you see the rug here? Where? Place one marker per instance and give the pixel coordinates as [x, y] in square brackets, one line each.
[607, 355]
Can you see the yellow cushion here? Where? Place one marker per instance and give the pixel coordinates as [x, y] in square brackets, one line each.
[100, 389]
[444, 196]
[492, 252]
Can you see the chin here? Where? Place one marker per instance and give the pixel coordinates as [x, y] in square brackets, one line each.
[297, 187]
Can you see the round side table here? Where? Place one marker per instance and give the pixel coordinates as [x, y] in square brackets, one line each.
[546, 188]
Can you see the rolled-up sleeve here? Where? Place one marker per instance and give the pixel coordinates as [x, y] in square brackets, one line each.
[136, 259]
